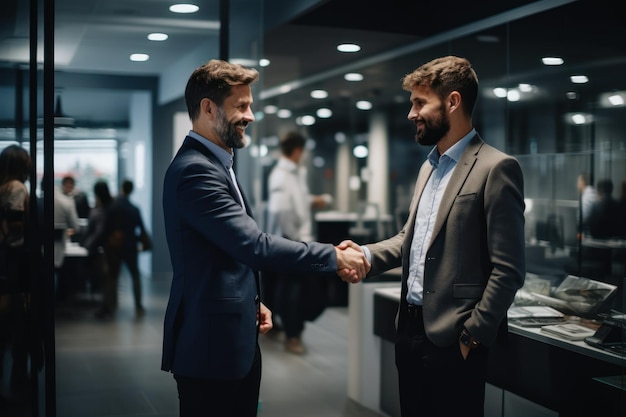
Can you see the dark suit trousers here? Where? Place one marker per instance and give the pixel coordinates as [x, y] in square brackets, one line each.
[436, 381]
[223, 398]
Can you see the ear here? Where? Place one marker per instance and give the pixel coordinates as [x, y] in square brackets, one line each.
[208, 106]
[454, 101]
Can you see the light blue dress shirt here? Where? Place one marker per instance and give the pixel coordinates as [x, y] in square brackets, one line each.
[443, 167]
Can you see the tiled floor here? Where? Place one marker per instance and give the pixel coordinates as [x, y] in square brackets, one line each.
[112, 368]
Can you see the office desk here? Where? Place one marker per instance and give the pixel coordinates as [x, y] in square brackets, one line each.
[527, 369]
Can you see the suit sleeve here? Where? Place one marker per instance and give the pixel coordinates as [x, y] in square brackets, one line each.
[205, 202]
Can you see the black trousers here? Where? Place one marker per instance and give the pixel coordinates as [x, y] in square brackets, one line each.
[436, 381]
[221, 398]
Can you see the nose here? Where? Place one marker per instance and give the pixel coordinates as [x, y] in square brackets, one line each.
[249, 115]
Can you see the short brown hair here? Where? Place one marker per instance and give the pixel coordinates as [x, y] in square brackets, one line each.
[445, 75]
[214, 80]
[290, 142]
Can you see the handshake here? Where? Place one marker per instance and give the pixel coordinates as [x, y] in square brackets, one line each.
[352, 264]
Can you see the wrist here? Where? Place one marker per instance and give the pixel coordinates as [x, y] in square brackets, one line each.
[466, 339]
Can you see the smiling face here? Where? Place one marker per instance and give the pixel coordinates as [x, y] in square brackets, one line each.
[233, 116]
[428, 112]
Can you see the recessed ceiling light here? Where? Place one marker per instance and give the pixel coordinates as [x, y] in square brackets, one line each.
[552, 60]
[525, 88]
[616, 100]
[264, 62]
[571, 95]
[184, 8]
[283, 113]
[324, 113]
[139, 57]
[363, 105]
[499, 92]
[157, 36]
[348, 47]
[353, 76]
[360, 151]
[513, 95]
[306, 120]
[579, 79]
[579, 118]
[270, 109]
[319, 94]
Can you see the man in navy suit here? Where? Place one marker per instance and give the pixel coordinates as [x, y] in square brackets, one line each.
[214, 314]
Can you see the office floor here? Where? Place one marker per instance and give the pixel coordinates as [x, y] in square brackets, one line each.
[112, 368]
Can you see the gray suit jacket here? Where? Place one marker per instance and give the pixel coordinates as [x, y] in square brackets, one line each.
[475, 262]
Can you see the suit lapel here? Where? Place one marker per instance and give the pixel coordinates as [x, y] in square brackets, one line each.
[194, 144]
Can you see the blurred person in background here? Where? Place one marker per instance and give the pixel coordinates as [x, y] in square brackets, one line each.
[15, 285]
[289, 215]
[605, 219]
[124, 229]
[94, 242]
[68, 186]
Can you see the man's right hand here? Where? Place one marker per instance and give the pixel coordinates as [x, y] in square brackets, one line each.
[352, 265]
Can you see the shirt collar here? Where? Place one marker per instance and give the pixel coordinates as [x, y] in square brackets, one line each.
[225, 157]
[287, 164]
[454, 152]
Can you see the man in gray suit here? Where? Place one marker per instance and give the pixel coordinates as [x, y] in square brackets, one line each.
[214, 314]
[461, 249]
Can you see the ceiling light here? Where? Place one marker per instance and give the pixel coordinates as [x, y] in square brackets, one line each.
[157, 36]
[571, 95]
[499, 92]
[324, 113]
[306, 120]
[270, 109]
[348, 47]
[264, 62]
[578, 119]
[616, 100]
[139, 57]
[283, 113]
[552, 60]
[513, 95]
[319, 94]
[340, 137]
[360, 151]
[579, 79]
[525, 88]
[319, 162]
[184, 8]
[363, 105]
[353, 76]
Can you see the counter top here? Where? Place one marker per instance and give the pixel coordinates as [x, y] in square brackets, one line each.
[535, 333]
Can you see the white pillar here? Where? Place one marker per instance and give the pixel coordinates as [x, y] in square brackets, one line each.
[343, 169]
[378, 162]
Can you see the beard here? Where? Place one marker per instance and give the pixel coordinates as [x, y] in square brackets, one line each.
[434, 129]
[229, 132]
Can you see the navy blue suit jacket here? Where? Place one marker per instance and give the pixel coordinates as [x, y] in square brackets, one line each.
[216, 250]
